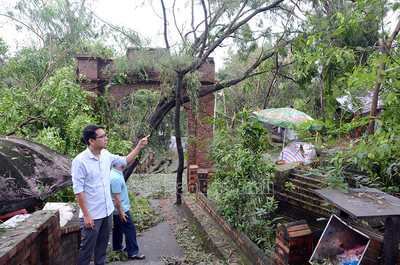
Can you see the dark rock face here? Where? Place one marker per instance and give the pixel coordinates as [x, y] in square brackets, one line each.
[29, 171]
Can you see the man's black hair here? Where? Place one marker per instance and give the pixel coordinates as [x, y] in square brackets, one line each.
[90, 132]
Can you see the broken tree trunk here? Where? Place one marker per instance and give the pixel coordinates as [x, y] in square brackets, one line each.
[386, 48]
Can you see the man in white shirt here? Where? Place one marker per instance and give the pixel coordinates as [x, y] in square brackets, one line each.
[91, 183]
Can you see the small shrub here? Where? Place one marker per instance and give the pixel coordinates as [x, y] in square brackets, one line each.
[116, 256]
[289, 185]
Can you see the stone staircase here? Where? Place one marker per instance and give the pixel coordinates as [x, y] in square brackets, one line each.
[301, 202]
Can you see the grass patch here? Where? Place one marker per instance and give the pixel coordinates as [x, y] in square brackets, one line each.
[143, 215]
[161, 193]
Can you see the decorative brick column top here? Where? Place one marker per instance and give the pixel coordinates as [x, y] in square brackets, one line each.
[293, 243]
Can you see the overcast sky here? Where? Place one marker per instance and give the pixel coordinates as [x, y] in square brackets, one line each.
[146, 20]
[126, 13]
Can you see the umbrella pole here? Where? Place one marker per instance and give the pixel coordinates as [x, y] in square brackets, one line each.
[283, 143]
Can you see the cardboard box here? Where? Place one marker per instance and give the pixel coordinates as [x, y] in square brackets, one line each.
[340, 244]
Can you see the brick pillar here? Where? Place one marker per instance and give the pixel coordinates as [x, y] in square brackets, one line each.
[293, 244]
[192, 178]
[202, 179]
[200, 133]
[50, 247]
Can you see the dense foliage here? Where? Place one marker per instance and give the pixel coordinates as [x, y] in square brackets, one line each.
[336, 54]
[376, 154]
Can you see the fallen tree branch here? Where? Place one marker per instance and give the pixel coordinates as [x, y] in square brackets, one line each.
[29, 121]
[157, 166]
[167, 163]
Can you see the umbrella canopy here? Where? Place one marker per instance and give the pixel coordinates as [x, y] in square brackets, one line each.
[284, 117]
[29, 171]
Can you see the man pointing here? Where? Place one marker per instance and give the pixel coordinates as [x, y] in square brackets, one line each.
[91, 183]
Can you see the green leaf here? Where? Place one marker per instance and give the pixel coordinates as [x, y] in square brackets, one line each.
[339, 31]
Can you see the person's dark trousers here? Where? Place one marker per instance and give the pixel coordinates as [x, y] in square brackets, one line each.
[129, 229]
[96, 240]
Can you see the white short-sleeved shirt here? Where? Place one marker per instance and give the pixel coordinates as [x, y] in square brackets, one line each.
[92, 177]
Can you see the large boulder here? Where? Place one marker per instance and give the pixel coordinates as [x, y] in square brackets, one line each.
[29, 171]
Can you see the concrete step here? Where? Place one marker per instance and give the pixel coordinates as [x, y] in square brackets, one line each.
[303, 184]
[306, 196]
[307, 190]
[315, 180]
[289, 199]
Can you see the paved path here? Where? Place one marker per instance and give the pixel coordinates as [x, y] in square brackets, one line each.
[159, 241]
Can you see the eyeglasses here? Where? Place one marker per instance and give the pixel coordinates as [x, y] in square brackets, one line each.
[102, 136]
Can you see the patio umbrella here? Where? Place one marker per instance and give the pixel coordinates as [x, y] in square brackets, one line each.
[284, 117]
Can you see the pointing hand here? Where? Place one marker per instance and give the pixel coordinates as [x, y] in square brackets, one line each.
[143, 142]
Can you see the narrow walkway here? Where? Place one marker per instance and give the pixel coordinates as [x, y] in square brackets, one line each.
[159, 241]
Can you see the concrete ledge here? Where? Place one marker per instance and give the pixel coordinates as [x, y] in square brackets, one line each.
[214, 240]
[38, 239]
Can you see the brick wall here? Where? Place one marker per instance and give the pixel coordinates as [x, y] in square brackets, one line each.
[90, 68]
[70, 240]
[39, 240]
